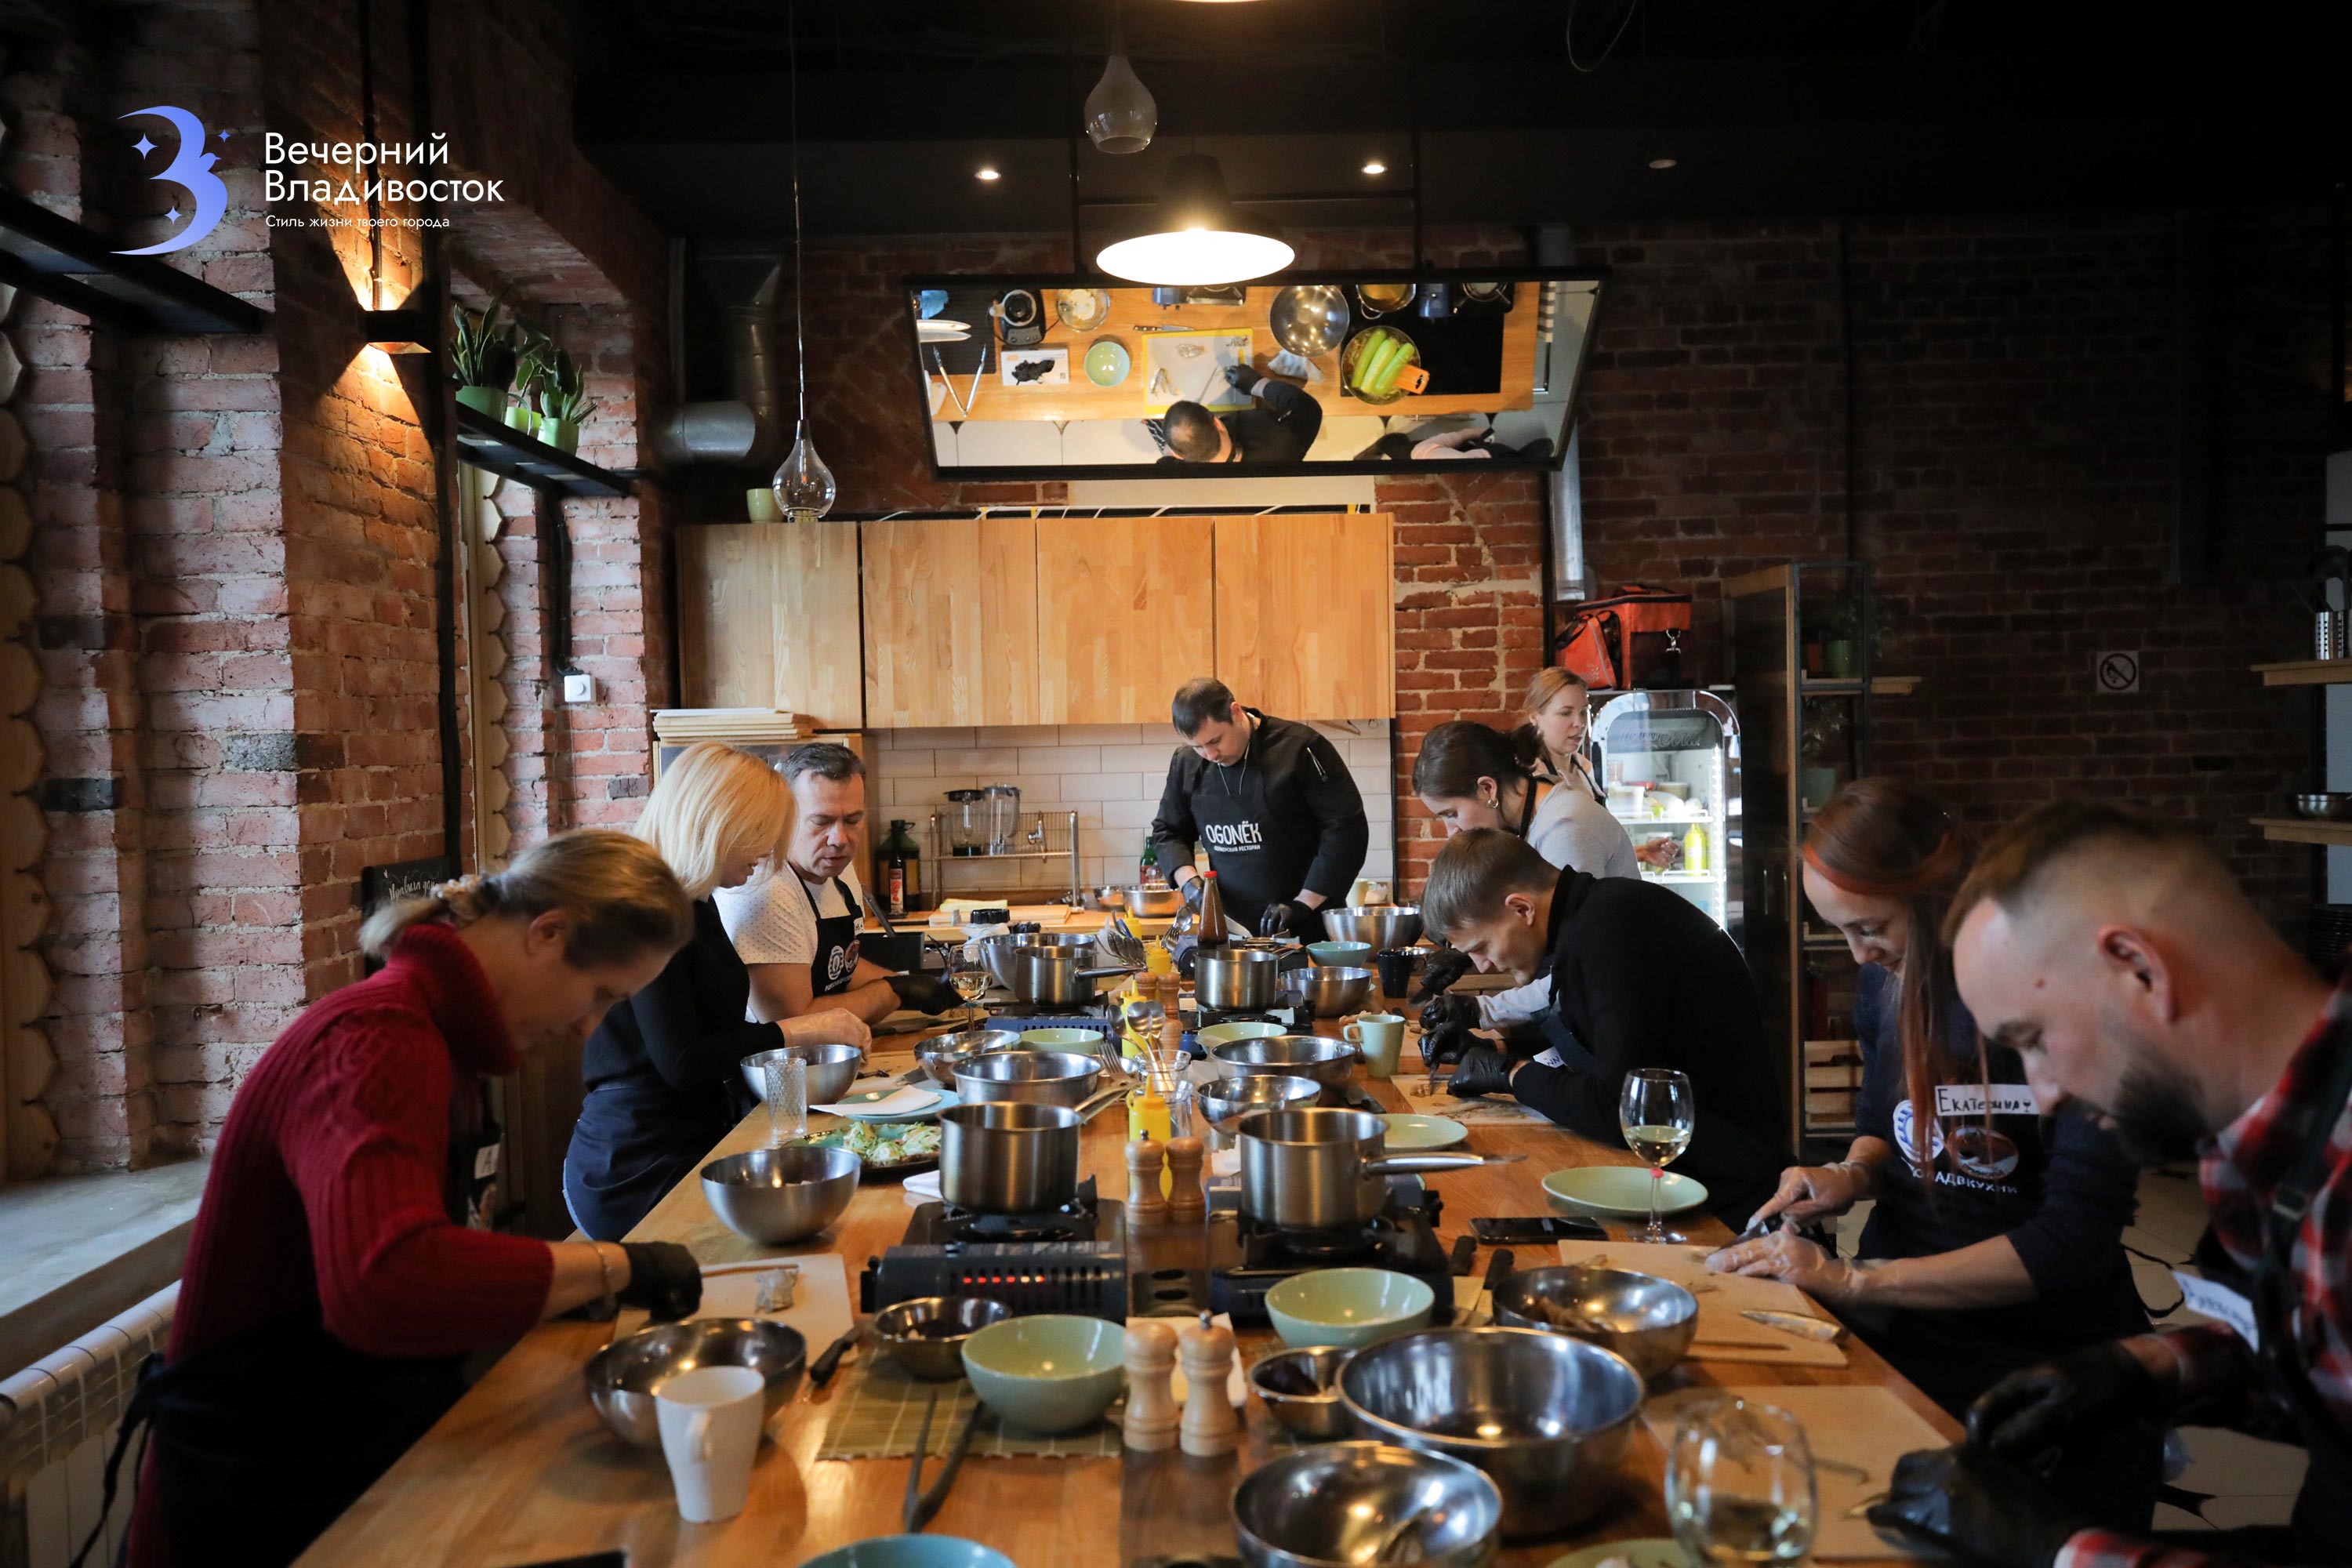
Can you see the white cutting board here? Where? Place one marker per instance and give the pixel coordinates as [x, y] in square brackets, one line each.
[1723, 1333]
[1196, 378]
[820, 1308]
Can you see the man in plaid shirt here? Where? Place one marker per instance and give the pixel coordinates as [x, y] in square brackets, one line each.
[2118, 956]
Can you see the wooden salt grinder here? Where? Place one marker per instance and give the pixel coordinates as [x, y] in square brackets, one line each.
[1147, 1207]
[1151, 1415]
[1187, 1203]
[1210, 1426]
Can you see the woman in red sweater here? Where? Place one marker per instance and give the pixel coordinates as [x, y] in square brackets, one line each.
[333, 1279]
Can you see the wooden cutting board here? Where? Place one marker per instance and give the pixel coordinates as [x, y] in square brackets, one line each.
[1856, 1434]
[1723, 1333]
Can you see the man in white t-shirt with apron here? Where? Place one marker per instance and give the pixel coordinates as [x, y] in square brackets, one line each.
[796, 928]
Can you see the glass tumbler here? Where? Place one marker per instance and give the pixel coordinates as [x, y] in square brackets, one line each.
[787, 1097]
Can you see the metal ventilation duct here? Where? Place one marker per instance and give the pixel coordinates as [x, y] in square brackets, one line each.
[747, 430]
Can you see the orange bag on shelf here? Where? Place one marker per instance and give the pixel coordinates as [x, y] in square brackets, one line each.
[1632, 639]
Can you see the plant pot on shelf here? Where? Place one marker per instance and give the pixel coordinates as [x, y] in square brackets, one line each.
[563, 435]
[1838, 660]
[490, 399]
[522, 418]
[1816, 785]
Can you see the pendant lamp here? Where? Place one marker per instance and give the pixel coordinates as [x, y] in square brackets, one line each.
[1195, 237]
[803, 486]
[1120, 113]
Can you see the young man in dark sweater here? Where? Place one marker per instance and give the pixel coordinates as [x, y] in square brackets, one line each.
[1639, 978]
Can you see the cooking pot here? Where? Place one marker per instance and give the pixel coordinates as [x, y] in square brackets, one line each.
[1236, 980]
[1009, 1157]
[1041, 1077]
[997, 949]
[1315, 1170]
[1058, 976]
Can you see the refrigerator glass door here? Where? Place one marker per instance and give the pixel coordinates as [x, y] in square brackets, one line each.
[1670, 761]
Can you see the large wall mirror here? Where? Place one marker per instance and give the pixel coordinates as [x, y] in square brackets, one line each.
[1044, 377]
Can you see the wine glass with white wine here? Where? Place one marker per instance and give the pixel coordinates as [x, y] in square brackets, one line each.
[1657, 1113]
[1739, 1484]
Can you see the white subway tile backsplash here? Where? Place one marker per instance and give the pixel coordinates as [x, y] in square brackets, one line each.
[1019, 735]
[1061, 759]
[1103, 786]
[1134, 813]
[933, 739]
[979, 760]
[1367, 751]
[1038, 791]
[917, 763]
[1099, 734]
[1143, 758]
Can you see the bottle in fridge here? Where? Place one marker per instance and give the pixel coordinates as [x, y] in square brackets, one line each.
[1672, 759]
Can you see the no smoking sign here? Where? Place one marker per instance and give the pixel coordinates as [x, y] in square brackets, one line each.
[2116, 674]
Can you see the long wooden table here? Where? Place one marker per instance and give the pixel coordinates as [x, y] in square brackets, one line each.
[521, 1471]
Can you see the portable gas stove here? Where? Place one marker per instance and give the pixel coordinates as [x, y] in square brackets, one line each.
[1248, 1257]
[1069, 1259]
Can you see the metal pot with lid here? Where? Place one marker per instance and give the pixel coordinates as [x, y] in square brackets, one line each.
[1318, 1170]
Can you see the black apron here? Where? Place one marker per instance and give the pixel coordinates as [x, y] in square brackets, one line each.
[1254, 868]
[835, 962]
[258, 1442]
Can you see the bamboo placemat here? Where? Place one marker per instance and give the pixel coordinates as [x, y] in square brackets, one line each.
[880, 1409]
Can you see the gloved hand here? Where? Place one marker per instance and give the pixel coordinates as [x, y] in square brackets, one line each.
[1192, 889]
[1445, 967]
[1484, 1070]
[1978, 1507]
[664, 1279]
[1242, 377]
[2047, 1409]
[1289, 918]
[1440, 1011]
[1445, 1044]
[925, 994]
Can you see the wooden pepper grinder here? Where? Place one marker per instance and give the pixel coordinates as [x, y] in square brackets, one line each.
[1151, 1415]
[1187, 1203]
[1210, 1426]
[1147, 1207]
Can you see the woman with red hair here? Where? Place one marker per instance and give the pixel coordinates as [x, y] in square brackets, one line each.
[1996, 1238]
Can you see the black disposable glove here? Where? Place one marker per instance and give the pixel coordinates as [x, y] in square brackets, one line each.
[664, 1279]
[1289, 918]
[1440, 1011]
[925, 994]
[1242, 377]
[1484, 1070]
[1445, 1044]
[1445, 967]
[2044, 1411]
[1978, 1507]
[1193, 890]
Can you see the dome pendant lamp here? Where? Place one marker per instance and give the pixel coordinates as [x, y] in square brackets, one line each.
[1120, 113]
[803, 486]
[1195, 237]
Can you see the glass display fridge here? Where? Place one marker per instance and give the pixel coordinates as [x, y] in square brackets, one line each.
[1670, 763]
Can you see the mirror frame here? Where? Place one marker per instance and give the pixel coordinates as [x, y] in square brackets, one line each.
[912, 282]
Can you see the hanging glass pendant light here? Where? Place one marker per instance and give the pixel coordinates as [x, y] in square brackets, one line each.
[1120, 112]
[1195, 236]
[803, 486]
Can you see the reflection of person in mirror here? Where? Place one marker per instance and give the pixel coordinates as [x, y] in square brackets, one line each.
[1278, 426]
[1469, 441]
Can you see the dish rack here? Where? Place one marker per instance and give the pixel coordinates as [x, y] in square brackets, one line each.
[1041, 835]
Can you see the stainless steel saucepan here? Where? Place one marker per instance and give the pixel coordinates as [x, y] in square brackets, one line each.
[1012, 1156]
[1236, 979]
[1058, 976]
[1314, 1170]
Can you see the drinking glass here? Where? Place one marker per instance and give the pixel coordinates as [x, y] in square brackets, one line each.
[1739, 1484]
[1657, 1113]
[787, 1098]
[968, 975]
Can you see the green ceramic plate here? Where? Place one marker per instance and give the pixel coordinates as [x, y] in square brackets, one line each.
[1647, 1552]
[1107, 363]
[1621, 1192]
[1424, 1131]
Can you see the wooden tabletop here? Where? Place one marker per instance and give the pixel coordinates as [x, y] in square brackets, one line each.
[521, 1471]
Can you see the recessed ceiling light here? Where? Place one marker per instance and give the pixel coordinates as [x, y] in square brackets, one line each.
[992, 175]
[1376, 167]
[1662, 163]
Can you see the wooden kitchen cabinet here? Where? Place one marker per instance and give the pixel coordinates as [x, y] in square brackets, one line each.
[951, 622]
[1125, 614]
[1307, 614]
[767, 618]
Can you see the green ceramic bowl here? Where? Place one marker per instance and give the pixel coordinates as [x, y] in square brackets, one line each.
[1226, 1034]
[911, 1551]
[1353, 954]
[1348, 1307]
[1086, 1040]
[1620, 1191]
[1048, 1373]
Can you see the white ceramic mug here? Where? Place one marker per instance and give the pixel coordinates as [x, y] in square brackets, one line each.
[1380, 1036]
[710, 1421]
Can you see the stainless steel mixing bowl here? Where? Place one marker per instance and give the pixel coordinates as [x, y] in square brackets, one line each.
[1309, 319]
[1648, 1320]
[1338, 1505]
[1301, 1389]
[1225, 1100]
[1332, 989]
[1548, 1417]
[941, 1055]
[778, 1196]
[926, 1335]
[623, 1376]
[1328, 1062]
[1382, 925]
[831, 1070]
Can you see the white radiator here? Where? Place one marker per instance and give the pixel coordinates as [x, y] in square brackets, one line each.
[58, 1422]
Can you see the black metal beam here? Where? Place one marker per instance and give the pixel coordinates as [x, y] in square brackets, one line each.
[494, 444]
[76, 267]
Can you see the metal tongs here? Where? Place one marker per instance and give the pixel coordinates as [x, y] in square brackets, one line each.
[923, 1502]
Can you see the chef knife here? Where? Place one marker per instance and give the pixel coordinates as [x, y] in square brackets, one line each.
[1499, 1268]
[821, 1370]
[1466, 1249]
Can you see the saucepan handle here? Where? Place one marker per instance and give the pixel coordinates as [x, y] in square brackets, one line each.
[1430, 1165]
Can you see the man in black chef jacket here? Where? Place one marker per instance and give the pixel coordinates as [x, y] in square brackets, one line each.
[1282, 817]
[1280, 423]
[1639, 978]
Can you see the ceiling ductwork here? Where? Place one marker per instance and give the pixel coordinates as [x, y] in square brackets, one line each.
[749, 429]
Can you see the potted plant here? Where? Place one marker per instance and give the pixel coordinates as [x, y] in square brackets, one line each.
[1822, 752]
[533, 349]
[1838, 624]
[482, 357]
[561, 399]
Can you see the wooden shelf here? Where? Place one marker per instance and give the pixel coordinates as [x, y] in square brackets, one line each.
[1880, 686]
[498, 447]
[2307, 672]
[2303, 830]
[76, 267]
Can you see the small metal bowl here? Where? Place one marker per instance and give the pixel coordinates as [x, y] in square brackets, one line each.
[941, 1055]
[1336, 1504]
[623, 1377]
[1301, 1390]
[831, 1069]
[1648, 1320]
[926, 1335]
[1144, 903]
[1333, 989]
[2335, 806]
[778, 1196]
[1225, 1100]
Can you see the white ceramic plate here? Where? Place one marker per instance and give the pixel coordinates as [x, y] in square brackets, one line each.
[1646, 1551]
[940, 1100]
[1621, 1192]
